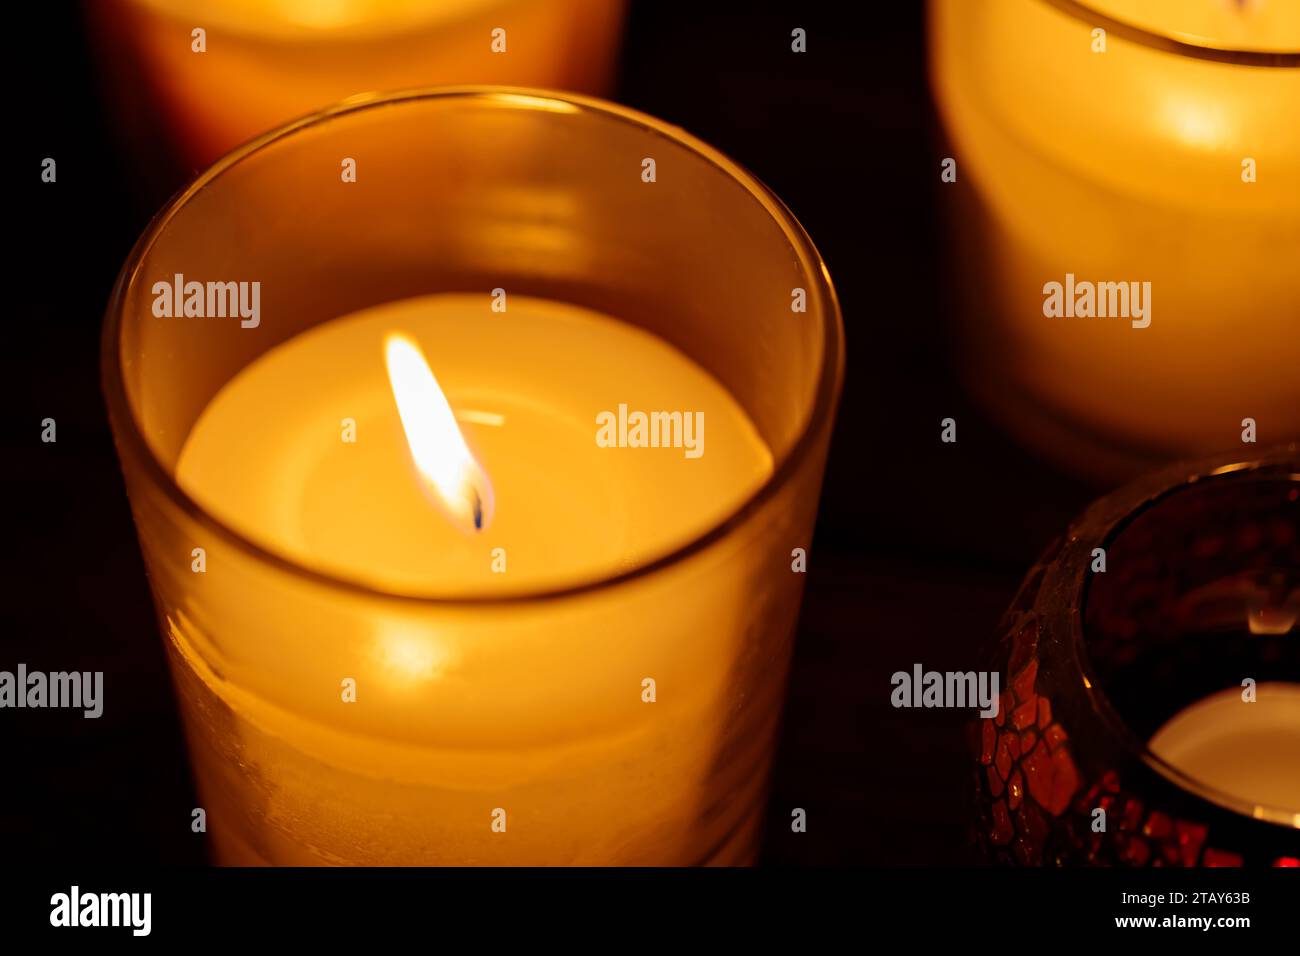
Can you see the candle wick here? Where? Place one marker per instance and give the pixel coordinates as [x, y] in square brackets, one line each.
[478, 512]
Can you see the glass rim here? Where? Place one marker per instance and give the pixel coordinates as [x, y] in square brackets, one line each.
[1100, 525]
[132, 442]
[1083, 10]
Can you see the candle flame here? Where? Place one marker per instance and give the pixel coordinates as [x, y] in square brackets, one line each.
[449, 473]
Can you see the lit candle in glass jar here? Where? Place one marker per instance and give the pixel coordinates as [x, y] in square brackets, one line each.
[407, 506]
[506, 575]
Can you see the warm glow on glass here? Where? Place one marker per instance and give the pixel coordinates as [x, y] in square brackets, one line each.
[1197, 124]
[450, 474]
[409, 654]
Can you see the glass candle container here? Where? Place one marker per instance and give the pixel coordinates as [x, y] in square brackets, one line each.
[1140, 155]
[265, 63]
[624, 716]
[1151, 672]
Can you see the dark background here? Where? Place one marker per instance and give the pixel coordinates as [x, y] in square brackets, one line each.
[919, 544]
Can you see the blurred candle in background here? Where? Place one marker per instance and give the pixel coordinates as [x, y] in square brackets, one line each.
[1132, 164]
[269, 61]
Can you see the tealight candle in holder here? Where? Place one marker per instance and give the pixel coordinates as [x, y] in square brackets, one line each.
[1152, 706]
[476, 488]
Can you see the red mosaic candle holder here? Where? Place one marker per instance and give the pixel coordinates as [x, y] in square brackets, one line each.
[1091, 664]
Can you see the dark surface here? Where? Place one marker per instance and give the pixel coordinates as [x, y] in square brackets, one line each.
[919, 545]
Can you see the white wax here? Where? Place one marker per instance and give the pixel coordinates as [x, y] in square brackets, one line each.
[1250, 751]
[268, 454]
